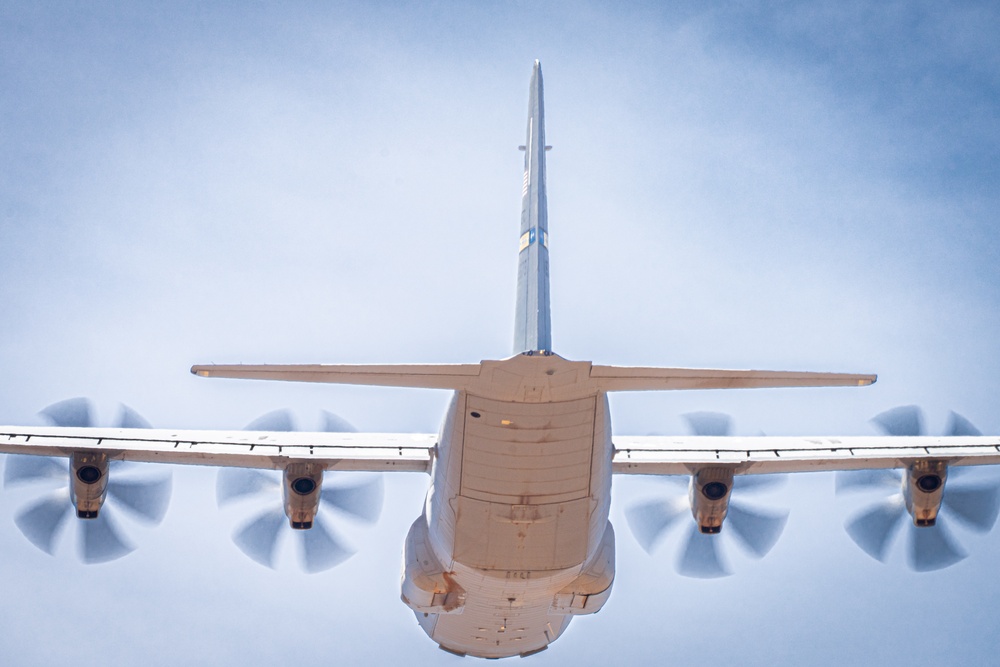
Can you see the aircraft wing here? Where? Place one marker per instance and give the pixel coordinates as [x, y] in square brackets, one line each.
[683, 455]
[377, 452]
[409, 452]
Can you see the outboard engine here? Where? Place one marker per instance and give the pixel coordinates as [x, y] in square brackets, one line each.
[88, 474]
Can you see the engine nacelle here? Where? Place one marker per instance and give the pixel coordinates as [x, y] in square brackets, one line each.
[301, 489]
[923, 488]
[88, 482]
[708, 495]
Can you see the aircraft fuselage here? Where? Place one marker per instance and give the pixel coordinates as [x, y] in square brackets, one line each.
[516, 519]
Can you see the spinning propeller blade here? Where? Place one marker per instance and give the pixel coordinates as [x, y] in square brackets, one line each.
[866, 480]
[101, 541]
[258, 539]
[929, 547]
[40, 522]
[873, 529]
[755, 483]
[129, 418]
[277, 420]
[756, 531]
[933, 548]
[974, 506]
[71, 412]
[362, 501]
[234, 484]
[144, 497]
[319, 548]
[959, 425]
[23, 469]
[336, 424]
[709, 423]
[904, 420]
[700, 557]
[321, 551]
[649, 521]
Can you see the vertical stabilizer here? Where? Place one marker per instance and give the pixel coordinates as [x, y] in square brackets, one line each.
[533, 326]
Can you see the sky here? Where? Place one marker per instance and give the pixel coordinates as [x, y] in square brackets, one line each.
[786, 186]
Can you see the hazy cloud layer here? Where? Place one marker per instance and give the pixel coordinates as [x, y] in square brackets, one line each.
[793, 186]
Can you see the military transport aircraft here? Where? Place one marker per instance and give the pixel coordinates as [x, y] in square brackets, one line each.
[514, 538]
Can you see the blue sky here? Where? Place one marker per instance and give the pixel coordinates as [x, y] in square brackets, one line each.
[788, 186]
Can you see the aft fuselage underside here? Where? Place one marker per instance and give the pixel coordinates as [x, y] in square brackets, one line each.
[518, 509]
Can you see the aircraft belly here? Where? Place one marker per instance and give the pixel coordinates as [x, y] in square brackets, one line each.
[524, 500]
[494, 614]
[515, 539]
[509, 614]
[495, 536]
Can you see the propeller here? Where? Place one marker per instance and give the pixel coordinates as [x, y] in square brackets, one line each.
[755, 530]
[972, 505]
[319, 547]
[131, 491]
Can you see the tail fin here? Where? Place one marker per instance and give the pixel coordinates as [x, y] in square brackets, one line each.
[533, 324]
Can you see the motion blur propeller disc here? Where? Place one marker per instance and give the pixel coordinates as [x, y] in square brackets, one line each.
[136, 491]
[973, 505]
[755, 530]
[356, 496]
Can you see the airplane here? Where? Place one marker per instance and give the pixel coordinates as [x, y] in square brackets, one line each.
[514, 537]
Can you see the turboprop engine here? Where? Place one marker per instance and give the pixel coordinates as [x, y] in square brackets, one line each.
[98, 490]
[923, 491]
[301, 489]
[708, 499]
[307, 506]
[919, 491]
[88, 473]
[708, 495]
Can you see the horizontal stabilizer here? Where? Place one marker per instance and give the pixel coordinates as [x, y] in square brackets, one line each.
[427, 376]
[533, 377]
[626, 378]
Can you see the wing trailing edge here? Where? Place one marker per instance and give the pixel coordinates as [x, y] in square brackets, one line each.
[682, 455]
[372, 452]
